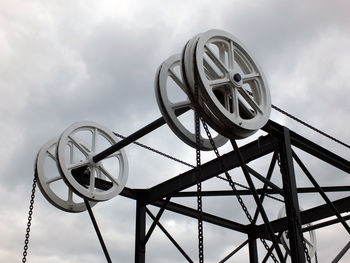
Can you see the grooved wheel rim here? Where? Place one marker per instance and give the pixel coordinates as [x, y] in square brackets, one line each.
[168, 108]
[115, 172]
[47, 154]
[187, 71]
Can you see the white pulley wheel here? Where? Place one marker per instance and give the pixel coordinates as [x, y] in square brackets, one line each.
[51, 183]
[168, 106]
[111, 171]
[309, 237]
[244, 102]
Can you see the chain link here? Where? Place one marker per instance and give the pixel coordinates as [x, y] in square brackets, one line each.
[309, 126]
[232, 184]
[299, 227]
[199, 184]
[29, 223]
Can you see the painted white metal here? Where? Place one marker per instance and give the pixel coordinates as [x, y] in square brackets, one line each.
[232, 85]
[95, 138]
[63, 199]
[168, 106]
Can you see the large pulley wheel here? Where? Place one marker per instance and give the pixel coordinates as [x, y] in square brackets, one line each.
[308, 237]
[51, 183]
[231, 83]
[169, 105]
[84, 140]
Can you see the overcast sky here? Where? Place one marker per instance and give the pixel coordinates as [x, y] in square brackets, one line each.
[67, 61]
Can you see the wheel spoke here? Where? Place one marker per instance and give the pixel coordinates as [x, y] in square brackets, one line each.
[53, 179]
[231, 56]
[218, 82]
[70, 196]
[244, 109]
[94, 140]
[235, 103]
[221, 48]
[80, 146]
[248, 77]
[176, 79]
[92, 180]
[180, 105]
[77, 165]
[250, 100]
[211, 73]
[108, 175]
[51, 155]
[216, 60]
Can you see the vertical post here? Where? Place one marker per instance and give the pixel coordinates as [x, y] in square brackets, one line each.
[291, 199]
[140, 232]
[253, 251]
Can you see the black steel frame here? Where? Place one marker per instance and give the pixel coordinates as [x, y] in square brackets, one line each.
[279, 141]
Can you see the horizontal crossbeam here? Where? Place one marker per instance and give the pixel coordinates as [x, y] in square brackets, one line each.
[307, 216]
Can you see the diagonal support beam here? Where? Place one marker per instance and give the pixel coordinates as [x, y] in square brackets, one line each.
[169, 236]
[251, 151]
[309, 147]
[291, 199]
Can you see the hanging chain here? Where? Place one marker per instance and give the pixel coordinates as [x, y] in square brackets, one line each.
[199, 184]
[299, 227]
[309, 126]
[31, 206]
[232, 184]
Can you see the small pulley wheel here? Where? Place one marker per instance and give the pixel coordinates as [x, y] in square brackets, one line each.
[308, 237]
[51, 183]
[232, 84]
[169, 106]
[99, 181]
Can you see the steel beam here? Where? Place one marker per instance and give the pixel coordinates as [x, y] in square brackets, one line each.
[253, 249]
[291, 199]
[140, 232]
[219, 221]
[307, 216]
[251, 151]
[307, 190]
[310, 147]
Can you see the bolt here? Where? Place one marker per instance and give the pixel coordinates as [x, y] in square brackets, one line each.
[237, 77]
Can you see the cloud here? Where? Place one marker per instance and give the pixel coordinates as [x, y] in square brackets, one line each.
[64, 62]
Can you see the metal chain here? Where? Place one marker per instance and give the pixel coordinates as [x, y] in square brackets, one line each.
[232, 184]
[189, 165]
[309, 126]
[157, 151]
[305, 124]
[199, 184]
[29, 223]
[299, 227]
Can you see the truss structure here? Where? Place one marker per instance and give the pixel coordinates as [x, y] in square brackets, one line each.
[280, 142]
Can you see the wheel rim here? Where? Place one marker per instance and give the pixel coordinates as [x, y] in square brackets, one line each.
[113, 169]
[47, 155]
[187, 70]
[168, 108]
